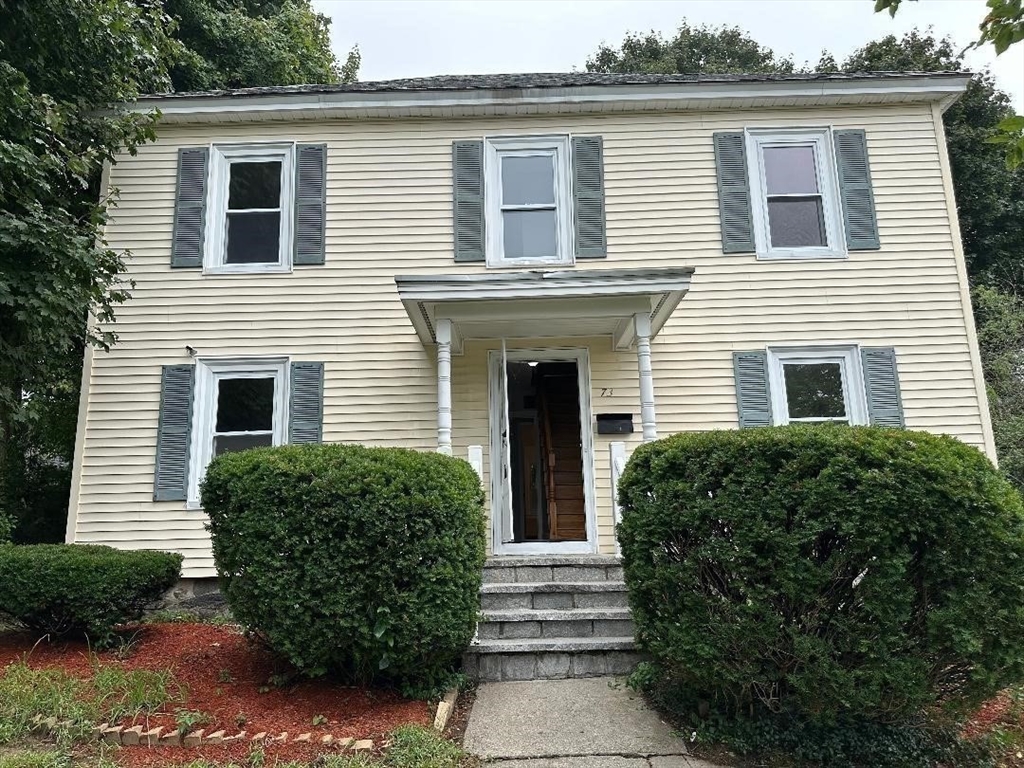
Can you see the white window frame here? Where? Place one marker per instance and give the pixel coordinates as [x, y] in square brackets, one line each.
[820, 139]
[848, 358]
[556, 146]
[209, 372]
[215, 247]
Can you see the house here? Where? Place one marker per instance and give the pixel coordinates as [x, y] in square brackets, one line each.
[531, 272]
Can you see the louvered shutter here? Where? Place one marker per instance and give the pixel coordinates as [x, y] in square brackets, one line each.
[468, 196]
[882, 386]
[734, 193]
[588, 197]
[306, 407]
[753, 396]
[174, 432]
[190, 208]
[310, 203]
[859, 219]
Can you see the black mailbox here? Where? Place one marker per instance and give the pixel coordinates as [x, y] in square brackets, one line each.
[614, 423]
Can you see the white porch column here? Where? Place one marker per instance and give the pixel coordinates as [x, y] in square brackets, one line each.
[444, 386]
[642, 321]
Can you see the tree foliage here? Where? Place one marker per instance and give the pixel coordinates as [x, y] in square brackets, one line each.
[245, 43]
[704, 49]
[65, 65]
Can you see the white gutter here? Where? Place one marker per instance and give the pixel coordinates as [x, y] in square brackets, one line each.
[457, 102]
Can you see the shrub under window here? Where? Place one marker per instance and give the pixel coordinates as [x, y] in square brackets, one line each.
[80, 589]
[826, 574]
[365, 562]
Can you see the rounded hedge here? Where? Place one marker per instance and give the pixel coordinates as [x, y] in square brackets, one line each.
[824, 572]
[81, 589]
[365, 562]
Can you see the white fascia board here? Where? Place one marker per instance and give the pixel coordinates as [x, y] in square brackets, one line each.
[369, 104]
[663, 288]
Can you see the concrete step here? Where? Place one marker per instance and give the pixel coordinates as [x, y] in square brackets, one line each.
[550, 659]
[528, 623]
[565, 568]
[553, 596]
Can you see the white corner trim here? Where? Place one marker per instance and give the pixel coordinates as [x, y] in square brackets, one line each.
[964, 286]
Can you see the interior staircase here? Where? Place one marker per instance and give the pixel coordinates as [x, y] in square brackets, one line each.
[547, 618]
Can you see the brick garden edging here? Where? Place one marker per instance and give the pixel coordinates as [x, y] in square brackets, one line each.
[138, 735]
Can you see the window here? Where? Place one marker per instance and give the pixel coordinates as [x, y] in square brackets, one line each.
[250, 210]
[796, 200]
[239, 404]
[817, 384]
[528, 201]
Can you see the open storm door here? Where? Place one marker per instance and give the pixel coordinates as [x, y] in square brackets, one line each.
[505, 502]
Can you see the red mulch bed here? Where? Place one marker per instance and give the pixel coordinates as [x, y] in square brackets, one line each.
[227, 677]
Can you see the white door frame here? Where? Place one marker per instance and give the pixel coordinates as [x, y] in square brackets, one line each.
[581, 356]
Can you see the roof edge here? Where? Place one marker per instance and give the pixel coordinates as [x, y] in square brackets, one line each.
[260, 104]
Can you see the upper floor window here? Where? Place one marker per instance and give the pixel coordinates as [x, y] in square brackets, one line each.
[795, 206]
[817, 384]
[251, 209]
[528, 201]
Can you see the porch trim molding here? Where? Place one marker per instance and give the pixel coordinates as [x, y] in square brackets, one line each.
[616, 296]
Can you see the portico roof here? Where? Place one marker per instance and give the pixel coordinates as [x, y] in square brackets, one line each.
[543, 303]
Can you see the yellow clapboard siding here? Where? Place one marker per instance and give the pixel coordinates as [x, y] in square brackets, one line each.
[389, 212]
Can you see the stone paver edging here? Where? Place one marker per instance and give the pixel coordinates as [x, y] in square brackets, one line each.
[138, 735]
[445, 707]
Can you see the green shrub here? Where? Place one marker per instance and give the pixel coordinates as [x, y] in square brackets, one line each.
[365, 562]
[6, 527]
[81, 590]
[823, 574]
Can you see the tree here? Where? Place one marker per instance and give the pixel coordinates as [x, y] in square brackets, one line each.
[64, 65]
[1002, 26]
[704, 49]
[1000, 317]
[245, 43]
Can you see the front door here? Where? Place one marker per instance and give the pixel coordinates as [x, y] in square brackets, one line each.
[541, 452]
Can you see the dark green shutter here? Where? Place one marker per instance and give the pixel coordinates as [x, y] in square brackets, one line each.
[310, 203]
[753, 395]
[174, 433]
[882, 386]
[190, 208]
[858, 199]
[306, 406]
[734, 193]
[588, 197]
[468, 195]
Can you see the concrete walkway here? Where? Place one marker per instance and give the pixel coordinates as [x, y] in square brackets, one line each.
[590, 723]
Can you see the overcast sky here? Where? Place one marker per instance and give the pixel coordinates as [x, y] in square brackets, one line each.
[415, 38]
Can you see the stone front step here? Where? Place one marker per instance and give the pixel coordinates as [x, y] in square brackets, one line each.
[562, 568]
[557, 596]
[550, 659]
[526, 623]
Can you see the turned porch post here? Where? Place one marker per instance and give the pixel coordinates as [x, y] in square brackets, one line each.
[642, 321]
[444, 386]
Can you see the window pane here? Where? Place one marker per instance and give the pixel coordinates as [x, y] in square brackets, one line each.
[814, 390]
[530, 234]
[255, 185]
[790, 170]
[232, 443]
[253, 238]
[796, 222]
[245, 405]
[527, 180]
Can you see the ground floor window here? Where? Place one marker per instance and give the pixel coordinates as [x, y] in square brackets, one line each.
[817, 384]
[239, 404]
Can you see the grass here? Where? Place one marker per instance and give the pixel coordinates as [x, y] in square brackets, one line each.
[112, 695]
